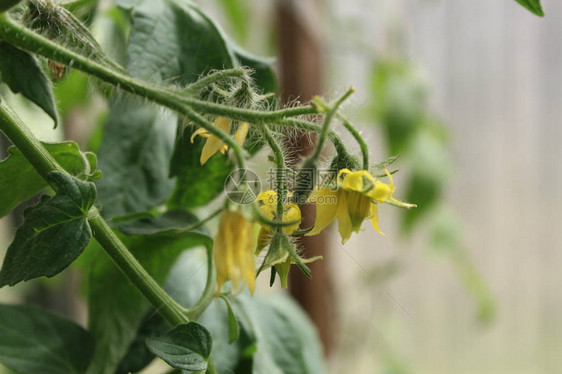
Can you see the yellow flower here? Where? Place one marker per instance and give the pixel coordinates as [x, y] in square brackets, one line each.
[234, 251]
[215, 144]
[267, 205]
[267, 202]
[355, 199]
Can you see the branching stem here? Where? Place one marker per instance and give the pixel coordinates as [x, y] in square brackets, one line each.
[20, 135]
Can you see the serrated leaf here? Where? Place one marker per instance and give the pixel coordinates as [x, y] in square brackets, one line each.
[533, 5]
[134, 156]
[33, 341]
[19, 181]
[186, 347]
[22, 73]
[53, 234]
[116, 316]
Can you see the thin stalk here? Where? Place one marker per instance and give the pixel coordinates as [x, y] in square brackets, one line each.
[281, 180]
[362, 143]
[214, 77]
[195, 311]
[330, 112]
[310, 126]
[44, 163]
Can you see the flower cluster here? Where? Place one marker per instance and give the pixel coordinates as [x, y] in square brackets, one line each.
[351, 196]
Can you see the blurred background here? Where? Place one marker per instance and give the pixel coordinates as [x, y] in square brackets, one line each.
[469, 94]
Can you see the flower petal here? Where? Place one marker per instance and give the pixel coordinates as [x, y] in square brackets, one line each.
[345, 227]
[212, 146]
[291, 213]
[241, 133]
[375, 218]
[201, 132]
[327, 202]
[355, 180]
[381, 192]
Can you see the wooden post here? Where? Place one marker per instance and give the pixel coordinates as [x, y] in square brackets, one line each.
[301, 68]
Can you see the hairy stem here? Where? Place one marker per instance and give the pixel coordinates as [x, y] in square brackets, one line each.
[44, 163]
[330, 112]
[281, 180]
[362, 143]
[25, 38]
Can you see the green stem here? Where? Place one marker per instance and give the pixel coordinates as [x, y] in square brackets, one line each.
[330, 111]
[310, 126]
[25, 38]
[213, 78]
[44, 163]
[26, 142]
[362, 143]
[133, 270]
[281, 180]
[195, 311]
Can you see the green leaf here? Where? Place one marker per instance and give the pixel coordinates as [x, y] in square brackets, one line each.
[533, 5]
[186, 347]
[171, 222]
[431, 168]
[7, 4]
[176, 51]
[33, 341]
[53, 234]
[22, 73]
[19, 181]
[275, 334]
[237, 11]
[286, 341]
[116, 316]
[134, 156]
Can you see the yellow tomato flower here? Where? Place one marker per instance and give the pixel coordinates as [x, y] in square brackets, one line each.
[234, 251]
[215, 144]
[267, 206]
[267, 202]
[355, 199]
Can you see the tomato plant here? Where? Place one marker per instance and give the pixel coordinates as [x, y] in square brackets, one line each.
[187, 109]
